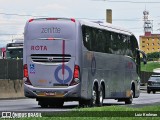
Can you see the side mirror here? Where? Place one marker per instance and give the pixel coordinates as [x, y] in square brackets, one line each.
[145, 60]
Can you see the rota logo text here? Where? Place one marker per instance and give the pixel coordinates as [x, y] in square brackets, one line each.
[39, 47]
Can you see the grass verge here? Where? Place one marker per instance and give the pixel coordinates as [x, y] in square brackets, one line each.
[150, 66]
[104, 113]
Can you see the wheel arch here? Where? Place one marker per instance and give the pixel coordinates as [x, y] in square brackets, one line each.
[103, 85]
[95, 83]
[133, 88]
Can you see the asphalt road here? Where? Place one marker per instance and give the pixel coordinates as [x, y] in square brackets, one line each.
[32, 105]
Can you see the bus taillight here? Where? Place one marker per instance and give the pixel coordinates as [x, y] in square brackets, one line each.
[76, 71]
[26, 77]
[25, 70]
[31, 20]
[76, 75]
[73, 20]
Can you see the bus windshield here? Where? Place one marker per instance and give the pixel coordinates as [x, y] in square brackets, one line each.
[14, 53]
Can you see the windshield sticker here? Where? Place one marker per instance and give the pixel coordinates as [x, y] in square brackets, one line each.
[60, 77]
[32, 69]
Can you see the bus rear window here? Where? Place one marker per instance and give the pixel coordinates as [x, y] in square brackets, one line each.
[51, 29]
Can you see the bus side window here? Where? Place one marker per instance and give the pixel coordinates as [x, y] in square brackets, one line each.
[99, 42]
[107, 42]
[86, 37]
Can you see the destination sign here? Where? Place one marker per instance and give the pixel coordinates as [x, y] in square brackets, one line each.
[14, 44]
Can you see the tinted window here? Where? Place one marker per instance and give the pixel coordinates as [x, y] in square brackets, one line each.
[99, 40]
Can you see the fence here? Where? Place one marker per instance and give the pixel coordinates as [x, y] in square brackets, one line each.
[11, 75]
[11, 69]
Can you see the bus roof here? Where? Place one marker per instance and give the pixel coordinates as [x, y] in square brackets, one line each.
[100, 25]
[106, 26]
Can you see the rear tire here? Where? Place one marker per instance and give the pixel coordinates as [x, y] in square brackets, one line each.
[154, 92]
[93, 101]
[83, 103]
[101, 96]
[95, 98]
[51, 103]
[43, 104]
[56, 104]
[148, 91]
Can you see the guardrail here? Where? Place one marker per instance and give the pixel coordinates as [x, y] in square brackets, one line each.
[11, 69]
[11, 75]
[11, 89]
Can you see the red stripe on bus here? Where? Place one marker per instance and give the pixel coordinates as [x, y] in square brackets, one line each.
[63, 52]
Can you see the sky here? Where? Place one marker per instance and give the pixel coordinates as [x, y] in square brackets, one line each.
[125, 13]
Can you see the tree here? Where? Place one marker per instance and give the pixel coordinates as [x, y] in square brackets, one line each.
[153, 56]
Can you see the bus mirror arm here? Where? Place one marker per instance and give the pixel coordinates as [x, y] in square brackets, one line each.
[144, 56]
[145, 60]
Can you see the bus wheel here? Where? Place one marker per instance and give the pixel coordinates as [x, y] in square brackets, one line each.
[43, 104]
[148, 91]
[56, 104]
[83, 103]
[101, 96]
[130, 99]
[94, 99]
[60, 104]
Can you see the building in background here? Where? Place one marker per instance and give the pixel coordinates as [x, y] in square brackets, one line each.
[149, 42]
[14, 50]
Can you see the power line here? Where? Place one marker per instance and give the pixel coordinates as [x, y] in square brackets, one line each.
[134, 19]
[136, 28]
[125, 1]
[5, 34]
[21, 15]
[126, 20]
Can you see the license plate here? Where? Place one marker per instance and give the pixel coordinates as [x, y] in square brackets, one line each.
[50, 94]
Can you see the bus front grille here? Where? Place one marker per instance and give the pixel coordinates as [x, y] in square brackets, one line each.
[50, 58]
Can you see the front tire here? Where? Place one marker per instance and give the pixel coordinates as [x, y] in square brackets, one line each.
[56, 104]
[51, 103]
[154, 92]
[130, 99]
[148, 91]
[43, 104]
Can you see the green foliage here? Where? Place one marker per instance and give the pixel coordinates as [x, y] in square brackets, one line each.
[153, 56]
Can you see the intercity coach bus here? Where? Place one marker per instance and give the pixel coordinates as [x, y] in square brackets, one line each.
[14, 50]
[78, 60]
